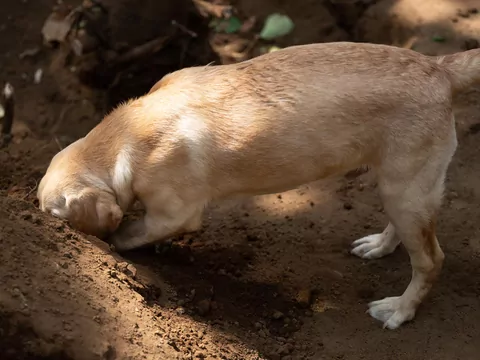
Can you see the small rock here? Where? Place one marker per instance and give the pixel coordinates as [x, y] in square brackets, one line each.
[262, 333]
[285, 349]
[277, 315]
[204, 307]
[180, 310]
[304, 297]
[131, 271]
[67, 326]
[252, 237]
[122, 266]
[109, 261]
[347, 206]
[127, 269]
[25, 215]
[200, 354]
[258, 325]
[36, 220]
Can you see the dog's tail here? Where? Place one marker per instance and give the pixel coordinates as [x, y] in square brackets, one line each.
[463, 68]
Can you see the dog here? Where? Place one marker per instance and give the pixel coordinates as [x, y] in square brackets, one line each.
[268, 125]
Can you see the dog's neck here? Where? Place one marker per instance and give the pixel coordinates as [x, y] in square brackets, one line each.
[111, 161]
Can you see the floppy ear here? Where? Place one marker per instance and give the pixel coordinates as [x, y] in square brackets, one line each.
[94, 214]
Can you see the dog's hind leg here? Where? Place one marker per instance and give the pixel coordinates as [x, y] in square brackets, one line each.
[377, 245]
[411, 188]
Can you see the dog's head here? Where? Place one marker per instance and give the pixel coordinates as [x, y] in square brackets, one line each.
[70, 191]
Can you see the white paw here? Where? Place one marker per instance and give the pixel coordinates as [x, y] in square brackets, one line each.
[390, 312]
[373, 246]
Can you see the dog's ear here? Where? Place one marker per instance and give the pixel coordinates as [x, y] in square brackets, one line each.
[94, 213]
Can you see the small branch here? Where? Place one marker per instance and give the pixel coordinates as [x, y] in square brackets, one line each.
[184, 29]
[137, 52]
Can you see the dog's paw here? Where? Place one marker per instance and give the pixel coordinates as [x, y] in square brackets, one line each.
[127, 235]
[373, 246]
[391, 312]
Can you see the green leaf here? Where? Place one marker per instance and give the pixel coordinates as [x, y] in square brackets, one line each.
[276, 25]
[229, 26]
[439, 38]
[233, 25]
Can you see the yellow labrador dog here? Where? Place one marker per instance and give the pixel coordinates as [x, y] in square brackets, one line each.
[271, 124]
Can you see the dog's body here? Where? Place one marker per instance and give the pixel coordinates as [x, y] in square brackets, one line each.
[271, 124]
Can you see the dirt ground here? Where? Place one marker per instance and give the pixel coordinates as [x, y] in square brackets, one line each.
[269, 277]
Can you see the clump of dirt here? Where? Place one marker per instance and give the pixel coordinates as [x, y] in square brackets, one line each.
[267, 277]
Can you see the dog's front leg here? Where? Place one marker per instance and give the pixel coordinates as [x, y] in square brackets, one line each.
[159, 223]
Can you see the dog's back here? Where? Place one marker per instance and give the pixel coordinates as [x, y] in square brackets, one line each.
[343, 103]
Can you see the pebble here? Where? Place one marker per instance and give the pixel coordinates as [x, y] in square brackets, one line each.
[109, 261]
[25, 215]
[251, 237]
[180, 310]
[199, 354]
[304, 297]
[131, 271]
[127, 269]
[285, 349]
[277, 315]
[262, 333]
[36, 220]
[204, 307]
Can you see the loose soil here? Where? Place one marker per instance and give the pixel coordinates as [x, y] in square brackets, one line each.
[267, 277]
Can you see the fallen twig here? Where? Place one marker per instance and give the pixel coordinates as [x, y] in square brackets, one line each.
[9, 106]
[140, 51]
[58, 143]
[184, 29]
[30, 192]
